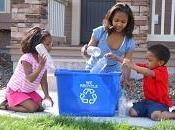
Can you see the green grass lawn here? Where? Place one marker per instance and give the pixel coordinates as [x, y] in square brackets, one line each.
[63, 123]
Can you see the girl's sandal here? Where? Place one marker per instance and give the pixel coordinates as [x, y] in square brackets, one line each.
[40, 109]
[4, 105]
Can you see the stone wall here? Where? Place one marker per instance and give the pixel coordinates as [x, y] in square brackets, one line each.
[68, 23]
[140, 10]
[25, 15]
[30, 13]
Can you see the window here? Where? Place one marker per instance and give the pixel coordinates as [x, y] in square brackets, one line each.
[4, 6]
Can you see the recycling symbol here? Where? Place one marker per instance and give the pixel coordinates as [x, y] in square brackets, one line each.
[88, 96]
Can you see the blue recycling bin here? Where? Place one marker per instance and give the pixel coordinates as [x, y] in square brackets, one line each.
[81, 93]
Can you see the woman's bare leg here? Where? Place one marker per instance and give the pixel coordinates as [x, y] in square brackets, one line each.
[26, 106]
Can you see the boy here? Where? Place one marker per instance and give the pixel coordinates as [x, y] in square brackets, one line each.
[155, 84]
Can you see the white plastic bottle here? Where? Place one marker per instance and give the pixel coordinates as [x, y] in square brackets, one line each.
[99, 66]
[42, 51]
[122, 106]
[93, 51]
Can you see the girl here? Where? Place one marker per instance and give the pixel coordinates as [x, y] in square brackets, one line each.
[31, 71]
[114, 38]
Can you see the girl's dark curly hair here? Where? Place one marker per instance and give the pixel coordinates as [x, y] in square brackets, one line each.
[32, 38]
[120, 7]
[161, 52]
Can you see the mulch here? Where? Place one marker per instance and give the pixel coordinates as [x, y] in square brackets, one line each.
[6, 69]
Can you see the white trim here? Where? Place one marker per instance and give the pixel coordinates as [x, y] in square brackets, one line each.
[163, 17]
[170, 38]
[76, 16]
[153, 14]
[172, 17]
[6, 7]
[65, 2]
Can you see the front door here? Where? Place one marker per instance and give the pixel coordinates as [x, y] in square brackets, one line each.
[92, 14]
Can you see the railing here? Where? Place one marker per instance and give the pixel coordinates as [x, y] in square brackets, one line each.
[162, 36]
[56, 11]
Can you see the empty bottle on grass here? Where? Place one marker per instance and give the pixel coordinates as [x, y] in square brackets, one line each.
[99, 66]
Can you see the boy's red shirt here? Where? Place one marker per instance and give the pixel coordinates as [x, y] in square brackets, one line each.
[156, 88]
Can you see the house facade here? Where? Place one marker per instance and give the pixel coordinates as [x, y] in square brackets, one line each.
[5, 23]
[71, 22]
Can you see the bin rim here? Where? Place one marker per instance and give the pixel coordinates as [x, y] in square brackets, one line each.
[68, 71]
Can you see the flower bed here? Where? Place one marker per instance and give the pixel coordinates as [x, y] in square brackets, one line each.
[6, 69]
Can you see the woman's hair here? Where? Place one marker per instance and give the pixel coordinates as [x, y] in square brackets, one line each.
[32, 38]
[120, 7]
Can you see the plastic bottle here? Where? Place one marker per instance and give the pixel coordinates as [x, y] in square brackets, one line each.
[93, 51]
[42, 51]
[122, 106]
[46, 104]
[99, 66]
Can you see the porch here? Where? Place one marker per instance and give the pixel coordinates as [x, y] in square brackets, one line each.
[66, 48]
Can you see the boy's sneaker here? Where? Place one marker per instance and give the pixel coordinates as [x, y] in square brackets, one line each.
[40, 109]
[172, 109]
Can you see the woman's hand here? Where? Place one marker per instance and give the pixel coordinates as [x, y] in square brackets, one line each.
[49, 98]
[110, 55]
[84, 51]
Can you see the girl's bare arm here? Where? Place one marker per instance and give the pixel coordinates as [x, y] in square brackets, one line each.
[44, 85]
[32, 75]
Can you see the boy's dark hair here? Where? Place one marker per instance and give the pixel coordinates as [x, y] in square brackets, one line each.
[161, 52]
[32, 38]
[120, 7]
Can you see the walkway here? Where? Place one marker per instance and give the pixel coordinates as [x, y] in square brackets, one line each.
[141, 122]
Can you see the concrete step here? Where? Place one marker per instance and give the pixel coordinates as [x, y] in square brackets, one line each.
[63, 55]
[56, 53]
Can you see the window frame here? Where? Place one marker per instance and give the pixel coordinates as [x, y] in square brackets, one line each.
[6, 7]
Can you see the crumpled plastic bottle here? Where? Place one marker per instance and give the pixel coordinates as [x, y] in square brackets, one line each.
[99, 66]
[93, 51]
